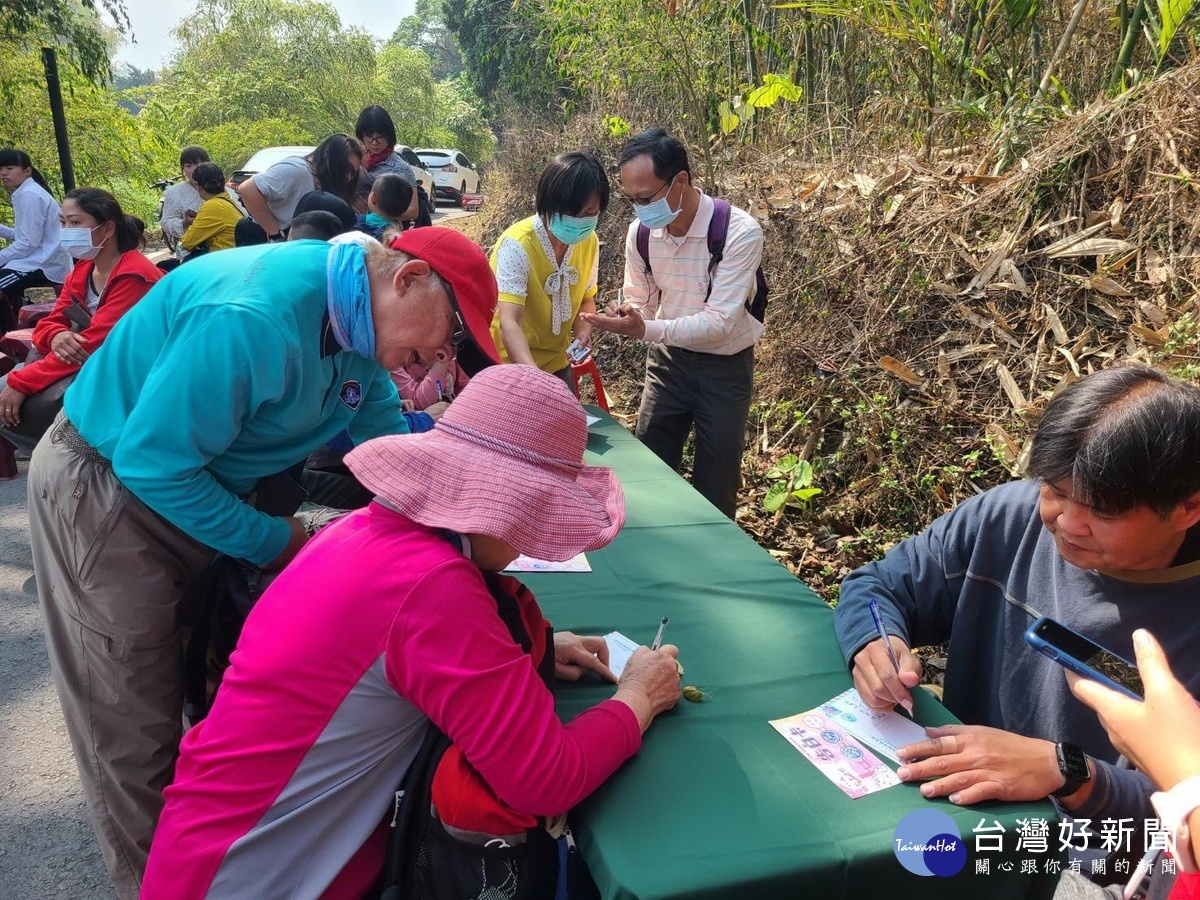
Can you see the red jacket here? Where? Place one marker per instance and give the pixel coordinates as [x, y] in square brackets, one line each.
[133, 276]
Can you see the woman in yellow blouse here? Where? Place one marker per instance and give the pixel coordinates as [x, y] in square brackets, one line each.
[217, 217]
[546, 267]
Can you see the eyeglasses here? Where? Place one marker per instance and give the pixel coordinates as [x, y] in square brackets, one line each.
[461, 334]
[646, 201]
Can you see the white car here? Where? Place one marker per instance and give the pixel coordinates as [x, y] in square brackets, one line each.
[424, 177]
[453, 173]
[263, 160]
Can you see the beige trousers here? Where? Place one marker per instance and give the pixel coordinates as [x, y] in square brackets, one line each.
[112, 577]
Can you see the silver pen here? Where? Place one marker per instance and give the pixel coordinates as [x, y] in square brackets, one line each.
[658, 637]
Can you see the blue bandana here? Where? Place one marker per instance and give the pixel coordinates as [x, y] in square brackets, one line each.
[350, 299]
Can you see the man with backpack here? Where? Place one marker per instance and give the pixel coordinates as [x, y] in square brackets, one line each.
[694, 291]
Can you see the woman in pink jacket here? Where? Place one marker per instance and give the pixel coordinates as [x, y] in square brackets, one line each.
[388, 621]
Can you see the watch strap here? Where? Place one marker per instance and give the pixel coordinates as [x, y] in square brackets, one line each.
[1074, 778]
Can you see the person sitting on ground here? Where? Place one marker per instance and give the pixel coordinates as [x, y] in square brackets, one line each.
[181, 201]
[271, 197]
[248, 233]
[1161, 736]
[376, 132]
[1104, 540]
[315, 225]
[388, 650]
[546, 267]
[322, 201]
[34, 256]
[392, 204]
[112, 274]
[184, 429]
[213, 226]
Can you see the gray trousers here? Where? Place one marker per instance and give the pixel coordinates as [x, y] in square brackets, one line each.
[710, 392]
[112, 577]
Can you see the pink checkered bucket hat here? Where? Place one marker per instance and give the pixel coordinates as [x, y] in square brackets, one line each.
[506, 460]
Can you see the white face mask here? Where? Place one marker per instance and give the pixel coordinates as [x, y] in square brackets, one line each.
[78, 242]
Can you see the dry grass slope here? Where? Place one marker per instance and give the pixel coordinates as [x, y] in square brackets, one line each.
[926, 304]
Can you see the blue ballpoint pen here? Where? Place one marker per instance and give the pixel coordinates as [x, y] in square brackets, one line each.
[887, 644]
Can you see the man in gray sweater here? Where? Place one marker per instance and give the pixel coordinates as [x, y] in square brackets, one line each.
[1104, 540]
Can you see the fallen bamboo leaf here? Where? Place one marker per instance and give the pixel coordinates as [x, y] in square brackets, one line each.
[891, 206]
[899, 176]
[1090, 247]
[1015, 397]
[1072, 239]
[1107, 307]
[982, 179]
[960, 353]
[900, 370]
[1158, 338]
[1157, 271]
[1107, 286]
[1056, 325]
[1070, 359]
[810, 184]
[991, 266]
[1012, 275]
[830, 211]
[1154, 314]
[864, 183]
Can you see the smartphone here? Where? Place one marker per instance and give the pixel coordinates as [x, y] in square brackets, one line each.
[1085, 657]
[577, 353]
[78, 315]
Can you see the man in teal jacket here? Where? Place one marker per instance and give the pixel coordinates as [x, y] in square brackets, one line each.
[234, 368]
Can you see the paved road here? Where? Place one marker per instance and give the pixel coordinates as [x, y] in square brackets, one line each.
[47, 849]
[46, 846]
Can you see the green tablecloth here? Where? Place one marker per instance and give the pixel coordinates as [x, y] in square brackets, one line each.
[718, 804]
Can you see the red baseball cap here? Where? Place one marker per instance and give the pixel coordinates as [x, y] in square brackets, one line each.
[464, 266]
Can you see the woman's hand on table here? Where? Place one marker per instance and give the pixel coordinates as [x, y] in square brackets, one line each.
[650, 684]
[69, 347]
[575, 654]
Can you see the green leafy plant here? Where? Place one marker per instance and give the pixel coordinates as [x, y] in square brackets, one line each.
[792, 479]
[616, 126]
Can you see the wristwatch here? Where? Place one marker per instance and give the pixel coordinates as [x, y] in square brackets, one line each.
[1073, 764]
[1174, 808]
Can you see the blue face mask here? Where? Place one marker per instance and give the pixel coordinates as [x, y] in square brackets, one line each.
[659, 213]
[572, 229]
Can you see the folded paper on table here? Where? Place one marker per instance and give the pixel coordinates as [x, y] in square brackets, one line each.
[882, 731]
[577, 563]
[620, 648]
[834, 751]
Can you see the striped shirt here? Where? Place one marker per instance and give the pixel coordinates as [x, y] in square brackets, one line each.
[671, 296]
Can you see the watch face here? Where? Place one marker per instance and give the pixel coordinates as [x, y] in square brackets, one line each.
[1073, 762]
